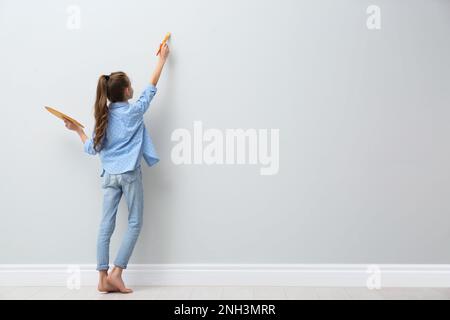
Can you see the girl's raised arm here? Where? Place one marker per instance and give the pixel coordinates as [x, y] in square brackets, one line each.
[159, 66]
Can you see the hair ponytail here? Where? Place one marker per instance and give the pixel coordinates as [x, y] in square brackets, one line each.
[110, 88]
[101, 111]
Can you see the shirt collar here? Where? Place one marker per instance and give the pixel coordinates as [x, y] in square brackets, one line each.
[114, 105]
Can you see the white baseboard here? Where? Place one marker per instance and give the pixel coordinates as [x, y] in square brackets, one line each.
[318, 275]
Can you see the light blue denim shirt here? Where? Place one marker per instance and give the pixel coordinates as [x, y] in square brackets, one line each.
[127, 139]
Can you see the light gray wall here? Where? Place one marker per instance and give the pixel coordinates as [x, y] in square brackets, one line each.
[363, 116]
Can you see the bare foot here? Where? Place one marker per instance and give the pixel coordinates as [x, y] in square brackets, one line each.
[104, 285]
[114, 279]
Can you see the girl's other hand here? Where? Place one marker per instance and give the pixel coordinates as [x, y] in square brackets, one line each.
[70, 125]
[164, 51]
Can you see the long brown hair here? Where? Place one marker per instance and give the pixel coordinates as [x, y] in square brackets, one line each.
[110, 88]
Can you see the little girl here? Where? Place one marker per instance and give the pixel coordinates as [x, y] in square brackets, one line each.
[121, 139]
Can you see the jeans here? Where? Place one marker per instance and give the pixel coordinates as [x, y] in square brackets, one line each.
[130, 184]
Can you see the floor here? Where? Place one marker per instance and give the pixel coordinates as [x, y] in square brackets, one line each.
[226, 293]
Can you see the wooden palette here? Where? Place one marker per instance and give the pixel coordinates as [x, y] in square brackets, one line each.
[62, 116]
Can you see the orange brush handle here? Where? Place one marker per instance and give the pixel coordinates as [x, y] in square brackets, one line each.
[163, 42]
[159, 50]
